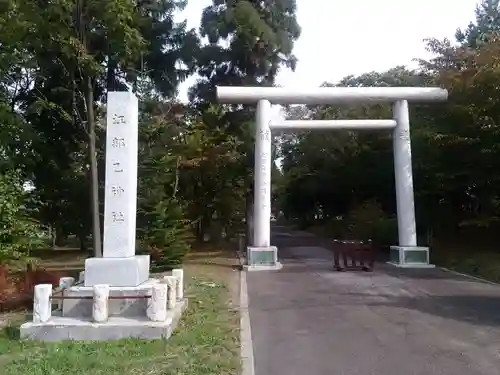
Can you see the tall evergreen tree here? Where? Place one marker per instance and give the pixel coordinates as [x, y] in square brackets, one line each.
[248, 42]
[486, 23]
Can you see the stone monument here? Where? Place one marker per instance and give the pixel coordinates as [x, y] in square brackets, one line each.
[115, 297]
[120, 200]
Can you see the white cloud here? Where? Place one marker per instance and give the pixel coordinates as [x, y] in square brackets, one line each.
[341, 37]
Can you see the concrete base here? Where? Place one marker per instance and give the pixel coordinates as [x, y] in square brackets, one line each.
[412, 265]
[81, 308]
[410, 257]
[274, 267]
[120, 272]
[116, 328]
[262, 256]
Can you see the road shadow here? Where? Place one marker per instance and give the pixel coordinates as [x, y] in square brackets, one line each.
[426, 274]
[477, 310]
[219, 263]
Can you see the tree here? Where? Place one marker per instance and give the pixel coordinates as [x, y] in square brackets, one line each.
[69, 53]
[487, 23]
[162, 225]
[248, 42]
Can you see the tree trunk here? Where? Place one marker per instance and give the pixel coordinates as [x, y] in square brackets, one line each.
[4, 271]
[53, 236]
[94, 176]
[59, 236]
[199, 231]
[82, 238]
[249, 218]
[111, 75]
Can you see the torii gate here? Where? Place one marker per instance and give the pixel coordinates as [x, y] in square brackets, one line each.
[261, 255]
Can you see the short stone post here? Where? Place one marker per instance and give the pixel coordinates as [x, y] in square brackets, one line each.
[42, 307]
[64, 283]
[81, 277]
[157, 306]
[100, 305]
[171, 282]
[179, 274]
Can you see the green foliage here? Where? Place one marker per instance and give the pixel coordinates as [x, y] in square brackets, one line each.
[165, 233]
[162, 227]
[248, 42]
[337, 228]
[363, 220]
[213, 181]
[260, 38]
[368, 221]
[19, 233]
[57, 62]
[385, 232]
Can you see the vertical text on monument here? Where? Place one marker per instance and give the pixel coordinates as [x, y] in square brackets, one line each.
[121, 175]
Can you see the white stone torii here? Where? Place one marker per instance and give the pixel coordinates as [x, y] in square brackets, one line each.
[261, 255]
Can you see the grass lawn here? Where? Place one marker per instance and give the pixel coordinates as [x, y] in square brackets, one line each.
[477, 261]
[205, 342]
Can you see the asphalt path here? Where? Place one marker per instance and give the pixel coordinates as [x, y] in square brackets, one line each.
[310, 320]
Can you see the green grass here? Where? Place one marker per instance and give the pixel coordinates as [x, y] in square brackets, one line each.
[483, 264]
[205, 342]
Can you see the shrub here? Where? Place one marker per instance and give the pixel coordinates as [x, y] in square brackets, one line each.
[369, 222]
[385, 232]
[167, 235]
[337, 228]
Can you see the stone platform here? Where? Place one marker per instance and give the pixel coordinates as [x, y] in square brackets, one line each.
[262, 259]
[103, 312]
[60, 328]
[262, 267]
[410, 257]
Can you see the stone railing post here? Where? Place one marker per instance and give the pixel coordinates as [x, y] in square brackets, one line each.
[171, 282]
[100, 305]
[157, 306]
[42, 306]
[64, 283]
[179, 274]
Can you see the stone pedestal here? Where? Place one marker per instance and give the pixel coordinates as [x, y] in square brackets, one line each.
[135, 315]
[60, 328]
[262, 259]
[410, 257]
[132, 271]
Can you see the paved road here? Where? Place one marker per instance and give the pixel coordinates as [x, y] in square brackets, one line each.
[309, 320]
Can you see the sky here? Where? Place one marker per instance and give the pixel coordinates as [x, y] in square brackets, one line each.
[343, 37]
